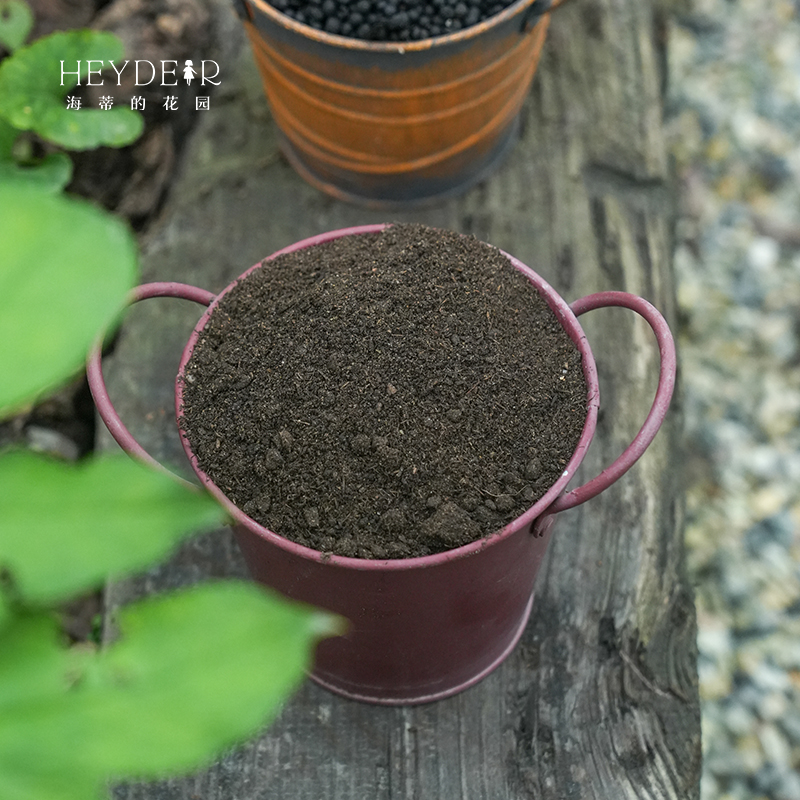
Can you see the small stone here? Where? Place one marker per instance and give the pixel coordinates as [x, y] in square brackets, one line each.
[739, 719]
[763, 253]
[770, 678]
[749, 755]
[790, 723]
[776, 748]
[46, 440]
[311, 514]
[789, 787]
[773, 706]
[434, 501]
[454, 414]
[390, 389]
[765, 780]
[715, 642]
[777, 529]
[715, 681]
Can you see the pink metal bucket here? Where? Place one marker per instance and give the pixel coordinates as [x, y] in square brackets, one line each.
[421, 628]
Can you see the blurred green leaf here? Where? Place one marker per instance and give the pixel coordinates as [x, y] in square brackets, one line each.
[34, 683]
[8, 135]
[65, 528]
[51, 174]
[195, 672]
[5, 611]
[34, 668]
[16, 21]
[66, 267]
[33, 88]
[231, 644]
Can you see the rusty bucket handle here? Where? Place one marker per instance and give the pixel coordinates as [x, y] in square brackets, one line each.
[658, 410]
[97, 385]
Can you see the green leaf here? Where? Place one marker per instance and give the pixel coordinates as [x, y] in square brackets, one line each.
[8, 135]
[195, 673]
[32, 665]
[64, 528]
[66, 267]
[16, 21]
[51, 174]
[35, 702]
[199, 671]
[35, 81]
[5, 611]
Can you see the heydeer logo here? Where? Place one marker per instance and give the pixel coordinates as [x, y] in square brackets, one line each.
[144, 73]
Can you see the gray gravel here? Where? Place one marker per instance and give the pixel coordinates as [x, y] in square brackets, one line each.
[734, 130]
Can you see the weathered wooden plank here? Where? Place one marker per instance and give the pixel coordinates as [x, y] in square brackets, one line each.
[600, 698]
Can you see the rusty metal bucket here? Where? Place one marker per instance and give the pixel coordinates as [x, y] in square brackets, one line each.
[395, 123]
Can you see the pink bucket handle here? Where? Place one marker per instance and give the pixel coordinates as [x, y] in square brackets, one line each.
[640, 443]
[97, 384]
[666, 385]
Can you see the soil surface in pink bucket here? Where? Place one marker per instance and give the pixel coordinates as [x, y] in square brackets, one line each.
[384, 395]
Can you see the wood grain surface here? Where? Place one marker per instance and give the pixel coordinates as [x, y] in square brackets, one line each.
[600, 698]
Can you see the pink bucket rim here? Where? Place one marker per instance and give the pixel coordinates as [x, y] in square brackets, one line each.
[569, 322]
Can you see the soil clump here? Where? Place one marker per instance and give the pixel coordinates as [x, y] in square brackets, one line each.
[385, 395]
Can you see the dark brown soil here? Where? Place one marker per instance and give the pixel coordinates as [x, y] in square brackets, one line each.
[385, 395]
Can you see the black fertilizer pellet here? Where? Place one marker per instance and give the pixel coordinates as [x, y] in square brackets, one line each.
[390, 20]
